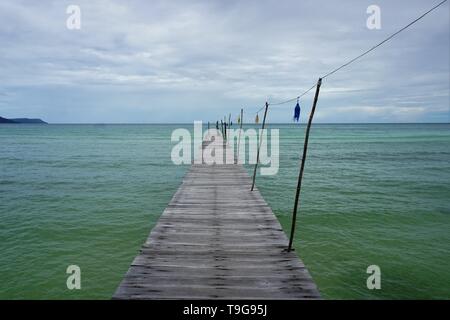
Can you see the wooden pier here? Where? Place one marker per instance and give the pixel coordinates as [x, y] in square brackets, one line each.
[217, 240]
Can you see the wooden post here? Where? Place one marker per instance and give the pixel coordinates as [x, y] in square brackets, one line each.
[225, 132]
[239, 139]
[260, 140]
[221, 127]
[302, 165]
[227, 124]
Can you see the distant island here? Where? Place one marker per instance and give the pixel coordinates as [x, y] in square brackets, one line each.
[22, 120]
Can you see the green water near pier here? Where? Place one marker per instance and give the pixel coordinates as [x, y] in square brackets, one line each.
[89, 195]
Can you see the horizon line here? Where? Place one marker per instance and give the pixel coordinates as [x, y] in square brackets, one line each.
[248, 123]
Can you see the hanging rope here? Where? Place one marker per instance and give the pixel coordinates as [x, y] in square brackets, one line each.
[357, 57]
[384, 41]
[317, 86]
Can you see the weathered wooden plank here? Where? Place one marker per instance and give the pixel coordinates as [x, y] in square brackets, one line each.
[217, 240]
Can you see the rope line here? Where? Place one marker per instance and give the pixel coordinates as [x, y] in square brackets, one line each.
[297, 97]
[361, 55]
[384, 41]
[356, 58]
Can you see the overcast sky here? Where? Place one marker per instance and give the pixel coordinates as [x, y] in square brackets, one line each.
[180, 61]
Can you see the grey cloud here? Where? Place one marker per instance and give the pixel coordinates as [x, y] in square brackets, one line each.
[221, 55]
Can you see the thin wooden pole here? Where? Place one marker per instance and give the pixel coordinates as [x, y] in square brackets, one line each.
[227, 124]
[225, 128]
[239, 139]
[259, 147]
[302, 165]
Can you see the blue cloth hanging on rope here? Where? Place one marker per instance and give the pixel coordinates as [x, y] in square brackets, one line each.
[297, 112]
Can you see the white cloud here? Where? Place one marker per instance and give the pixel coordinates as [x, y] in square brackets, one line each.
[236, 52]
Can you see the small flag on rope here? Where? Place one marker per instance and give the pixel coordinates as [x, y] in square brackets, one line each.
[257, 119]
[297, 112]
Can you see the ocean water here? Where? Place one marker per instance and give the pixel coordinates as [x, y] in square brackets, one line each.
[371, 195]
[88, 195]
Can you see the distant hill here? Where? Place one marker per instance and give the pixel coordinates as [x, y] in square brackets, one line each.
[22, 120]
[26, 120]
[4, 120]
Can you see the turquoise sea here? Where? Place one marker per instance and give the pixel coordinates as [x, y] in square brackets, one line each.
[89, 194]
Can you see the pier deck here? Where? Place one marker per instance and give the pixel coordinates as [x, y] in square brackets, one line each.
[217, 240]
